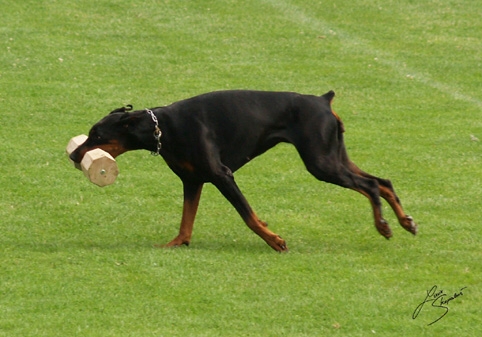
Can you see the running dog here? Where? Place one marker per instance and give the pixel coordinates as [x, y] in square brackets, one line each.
[205, 139]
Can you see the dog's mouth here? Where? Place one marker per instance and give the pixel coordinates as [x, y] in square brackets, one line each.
[114, 148]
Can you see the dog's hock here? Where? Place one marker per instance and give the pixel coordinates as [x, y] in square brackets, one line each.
[98, 165]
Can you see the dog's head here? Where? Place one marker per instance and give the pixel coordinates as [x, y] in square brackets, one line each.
[115, 134]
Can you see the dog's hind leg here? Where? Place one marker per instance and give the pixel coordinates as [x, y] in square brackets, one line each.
[370, 188]
[332, 168]
[192, 194]
[388, 193]
[225, 183]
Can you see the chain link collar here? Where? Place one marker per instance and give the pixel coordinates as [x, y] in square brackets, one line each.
[157, 132]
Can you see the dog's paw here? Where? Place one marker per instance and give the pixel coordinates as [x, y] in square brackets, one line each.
[383, 228]
[177, 242]
[279, 245]
[410, 225]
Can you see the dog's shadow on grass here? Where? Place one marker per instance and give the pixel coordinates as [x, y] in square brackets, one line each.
[66, 246]
[138, 246]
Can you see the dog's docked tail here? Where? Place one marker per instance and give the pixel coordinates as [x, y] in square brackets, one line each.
[341, 128]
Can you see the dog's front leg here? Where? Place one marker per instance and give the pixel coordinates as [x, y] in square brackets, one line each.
[224, 181]
[192, 194]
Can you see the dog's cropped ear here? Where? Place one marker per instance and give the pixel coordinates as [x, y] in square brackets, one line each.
[129, 120]
[329, 96]
[123, 109]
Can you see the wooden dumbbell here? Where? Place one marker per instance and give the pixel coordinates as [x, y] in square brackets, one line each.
[98, 166]
[74, 143]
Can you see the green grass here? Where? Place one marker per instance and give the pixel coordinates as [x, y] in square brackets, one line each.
[78, 260]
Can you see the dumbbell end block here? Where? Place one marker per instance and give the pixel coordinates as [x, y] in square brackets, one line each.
[73, 144]
[99, 167]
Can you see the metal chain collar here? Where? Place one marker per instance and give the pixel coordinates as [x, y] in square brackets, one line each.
[157, 132]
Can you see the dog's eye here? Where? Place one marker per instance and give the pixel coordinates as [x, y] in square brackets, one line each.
[95, 135]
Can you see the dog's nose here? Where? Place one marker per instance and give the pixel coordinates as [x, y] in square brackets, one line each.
[73, 156]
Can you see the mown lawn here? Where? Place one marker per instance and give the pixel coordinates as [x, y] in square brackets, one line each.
[78, 260]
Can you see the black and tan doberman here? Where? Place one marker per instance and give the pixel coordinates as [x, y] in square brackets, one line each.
[204, 139]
